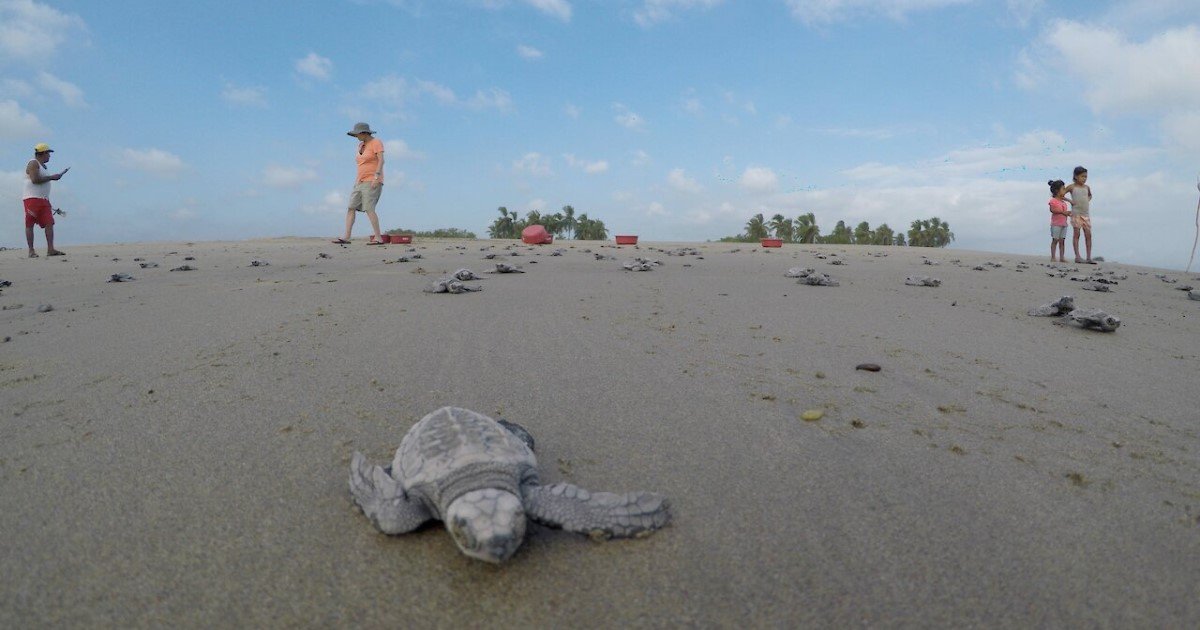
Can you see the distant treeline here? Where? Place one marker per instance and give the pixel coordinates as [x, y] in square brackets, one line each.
[562, 224]
[438, 233]
[803, 229]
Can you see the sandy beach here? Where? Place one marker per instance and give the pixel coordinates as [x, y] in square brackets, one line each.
[174, 449]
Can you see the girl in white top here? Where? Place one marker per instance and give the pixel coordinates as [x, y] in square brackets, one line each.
[1081, 220]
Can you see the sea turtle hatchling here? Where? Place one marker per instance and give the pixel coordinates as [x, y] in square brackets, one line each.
[479, 477]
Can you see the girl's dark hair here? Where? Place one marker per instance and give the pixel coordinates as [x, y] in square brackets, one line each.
[1055, 185]
[1078, 170]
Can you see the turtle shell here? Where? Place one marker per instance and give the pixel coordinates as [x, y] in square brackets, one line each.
[453, 451]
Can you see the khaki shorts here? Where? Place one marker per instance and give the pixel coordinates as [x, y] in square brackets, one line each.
[1081, 222]
[1058, 232]
[365, 196]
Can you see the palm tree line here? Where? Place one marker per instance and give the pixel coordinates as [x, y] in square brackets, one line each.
[563, 224]
[931, 232]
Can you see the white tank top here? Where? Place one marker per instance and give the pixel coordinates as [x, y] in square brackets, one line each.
[1081, 200]
[38, 191]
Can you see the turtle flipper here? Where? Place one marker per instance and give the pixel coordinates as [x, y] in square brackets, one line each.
[597, 514]
[518, 431]
[382, 498]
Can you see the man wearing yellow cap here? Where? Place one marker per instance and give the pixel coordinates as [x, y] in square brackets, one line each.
[37, 198]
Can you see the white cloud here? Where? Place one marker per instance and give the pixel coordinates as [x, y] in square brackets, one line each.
[641, 158]
[1183, 129]
[154, 161]
[1035, 155]
[535, 204]
[560, 9]
[440, 92]
[315, 66]
[183, 214]
[1120, 76]
[829, 11]
[528, 52]
[572, 111]
[680, 181]
[591, 167]
[399, 92]
[31, 31]
[656, 209]
[1024, 10]
[492, 98]
[277, 176]
[533, 163]
[15, 88]
[251, 96]
[70, 93]
[16, 123]
[627, 118]
[333, 202]
[397, 149]
[12, 182]
[654, 11]
[759, 179]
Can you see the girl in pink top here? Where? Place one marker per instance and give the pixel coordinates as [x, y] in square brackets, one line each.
[1058, 219]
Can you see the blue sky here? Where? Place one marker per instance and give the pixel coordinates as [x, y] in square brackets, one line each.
[671, 119]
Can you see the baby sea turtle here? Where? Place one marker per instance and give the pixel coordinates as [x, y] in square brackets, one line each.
[507, 268]
[818, 279]
[799, 272]
[465, 274]
[479, 477]
[450, 285]
[922, 281]
[640, 264]
[1094, 318]
[1061, 306]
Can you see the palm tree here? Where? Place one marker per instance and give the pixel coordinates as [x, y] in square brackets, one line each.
[806, 229]
[569, 220]
[883, 235]
[590, 229]
[918, 233]
[502, 227]
[841, 235]
[863, 234]
[930, 233]
[899, 242]
[756, 228]
[940, 232]
[782, 227]
[553, 223]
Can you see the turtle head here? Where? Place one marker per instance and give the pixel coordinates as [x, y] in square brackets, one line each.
[487, 524]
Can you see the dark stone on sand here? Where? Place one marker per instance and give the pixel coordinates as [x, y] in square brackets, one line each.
[868, 367]
[45, 308]
[184, 268]
[121, 277]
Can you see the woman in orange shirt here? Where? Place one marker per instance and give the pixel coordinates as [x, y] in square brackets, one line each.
[368, 185]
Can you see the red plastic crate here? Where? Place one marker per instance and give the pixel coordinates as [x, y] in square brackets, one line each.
[772, 242]
[626, 239]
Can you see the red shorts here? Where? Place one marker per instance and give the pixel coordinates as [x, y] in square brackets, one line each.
[38, 212]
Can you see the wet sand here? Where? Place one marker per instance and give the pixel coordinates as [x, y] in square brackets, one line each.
[174, 449]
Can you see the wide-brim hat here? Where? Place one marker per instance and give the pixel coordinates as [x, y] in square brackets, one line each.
[42, 147]
[360, 128]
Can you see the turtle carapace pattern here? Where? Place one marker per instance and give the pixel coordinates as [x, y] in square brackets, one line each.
[479, 476]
